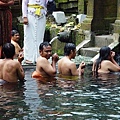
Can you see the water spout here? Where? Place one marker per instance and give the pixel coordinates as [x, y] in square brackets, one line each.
[53, 39]
[62, 36]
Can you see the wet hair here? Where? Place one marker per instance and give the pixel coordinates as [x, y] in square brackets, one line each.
[13, 32]
[8, 50]
[104, 54]
[68, 47]
[44, 44]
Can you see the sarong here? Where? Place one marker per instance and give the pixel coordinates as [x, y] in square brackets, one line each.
[33, 36]
[5, 25]
[36, 75]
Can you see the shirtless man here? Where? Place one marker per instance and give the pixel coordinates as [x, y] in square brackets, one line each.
[43, 67]
[105, 62]
[68, 67]
[14, 40]
[10, 70]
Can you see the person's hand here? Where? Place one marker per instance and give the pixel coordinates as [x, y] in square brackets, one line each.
[4, 1]
[55, 57]
[82, 65]
[25, 20]
[21, 57]
[112, 53]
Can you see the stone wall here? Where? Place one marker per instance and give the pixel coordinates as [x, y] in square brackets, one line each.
[68, 6]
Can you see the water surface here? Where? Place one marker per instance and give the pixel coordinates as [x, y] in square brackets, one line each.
[63, 98]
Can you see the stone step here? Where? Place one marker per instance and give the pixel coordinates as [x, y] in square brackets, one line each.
[103, 40]
[90, 51]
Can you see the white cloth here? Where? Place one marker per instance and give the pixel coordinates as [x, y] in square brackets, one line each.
[26, 9]
[34, 31]
[33, 36]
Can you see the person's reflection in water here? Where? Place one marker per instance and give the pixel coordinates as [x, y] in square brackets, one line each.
[44, 84]
[11, 100]
[106, 80]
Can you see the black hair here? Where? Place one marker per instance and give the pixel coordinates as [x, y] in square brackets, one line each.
[68, 47]
[8, 50]
[44, 44]
[104, 54]
[13, 32]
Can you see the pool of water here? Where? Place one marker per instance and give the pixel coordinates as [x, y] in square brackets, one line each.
[63, 98]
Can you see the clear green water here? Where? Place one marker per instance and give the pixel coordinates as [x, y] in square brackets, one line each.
[66, 98]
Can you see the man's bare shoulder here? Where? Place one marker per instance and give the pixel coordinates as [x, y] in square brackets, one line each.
[12, 63]
[13, 42]
[1, 60]
[65, 62]
[41, 59]
[64, 59]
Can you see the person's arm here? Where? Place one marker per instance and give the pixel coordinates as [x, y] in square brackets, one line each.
[9, 3]
[94, 66]
[20, 72]
[20, 57]
[113, 67]
[25, 11]
[81, 68]
[55, 58]
[112, 58]
[47, 67]
[75, 71]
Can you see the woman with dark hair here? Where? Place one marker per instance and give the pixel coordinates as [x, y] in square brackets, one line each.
[105, 63]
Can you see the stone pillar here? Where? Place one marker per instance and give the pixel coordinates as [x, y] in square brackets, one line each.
[81, 6]
[98, 16]
[117, 21]
[86, 25]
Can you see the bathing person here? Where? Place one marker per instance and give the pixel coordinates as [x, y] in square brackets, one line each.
[10, 70]
[5, 22]
[34, 19]
[43, 67]
[68, 67]
[105, 63]
[15, 36]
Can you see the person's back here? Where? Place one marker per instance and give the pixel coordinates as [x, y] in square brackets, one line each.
[64, 66]
[10, 70]
[68, 67]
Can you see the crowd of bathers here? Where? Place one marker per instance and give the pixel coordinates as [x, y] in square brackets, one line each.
[11, 69]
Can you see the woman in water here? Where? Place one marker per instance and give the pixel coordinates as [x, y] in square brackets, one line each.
[105, 63]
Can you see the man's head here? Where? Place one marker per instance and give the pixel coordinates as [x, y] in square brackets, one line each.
[15, 36]
[8, 50]
[70, 48]
[45, 50]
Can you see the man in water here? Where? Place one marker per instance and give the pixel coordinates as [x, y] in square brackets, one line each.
[15, 36]
[68, 67]
[10, 70]
[43, 67]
